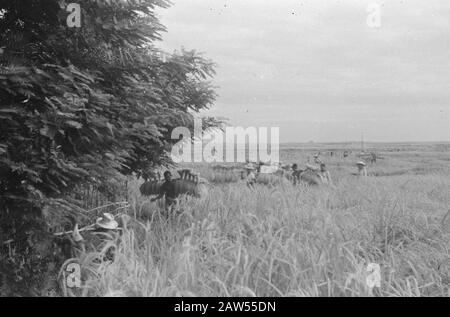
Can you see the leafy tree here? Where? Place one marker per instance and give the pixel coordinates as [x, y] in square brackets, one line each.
[86, 105]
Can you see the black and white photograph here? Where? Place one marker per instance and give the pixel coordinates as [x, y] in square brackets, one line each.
[225, 155]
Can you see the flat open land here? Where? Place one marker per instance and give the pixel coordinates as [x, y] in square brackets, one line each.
[295, 241]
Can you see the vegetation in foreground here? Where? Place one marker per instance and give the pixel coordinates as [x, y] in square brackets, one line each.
[284, 241]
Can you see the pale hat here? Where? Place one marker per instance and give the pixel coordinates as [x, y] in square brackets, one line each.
[361, 163]
[107, 222]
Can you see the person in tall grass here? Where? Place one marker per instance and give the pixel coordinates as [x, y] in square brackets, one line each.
[295, 174]
[362, 171]
[373, 158]
[168, 191]
[251, 177]
[317, 159]
[324, 174]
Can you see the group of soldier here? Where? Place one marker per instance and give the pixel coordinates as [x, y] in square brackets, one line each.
[320, 170]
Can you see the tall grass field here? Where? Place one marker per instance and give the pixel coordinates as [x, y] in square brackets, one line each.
[285, 240]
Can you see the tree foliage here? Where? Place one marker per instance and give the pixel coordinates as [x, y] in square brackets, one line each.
[83, 105]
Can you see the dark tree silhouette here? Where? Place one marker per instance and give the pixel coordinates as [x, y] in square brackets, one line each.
[86, 105]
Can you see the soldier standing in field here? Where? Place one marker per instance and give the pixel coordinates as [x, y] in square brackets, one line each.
[324, 174]
[251, 177]
[167, 190]
[362, 171]
[317, 159]
[373, 158]
[295, 174]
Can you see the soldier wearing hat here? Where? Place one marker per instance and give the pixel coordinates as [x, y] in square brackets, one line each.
[251, 177]
[296, 174]
[168, 191]
[317, 159]
[362, 171]
[324, 174]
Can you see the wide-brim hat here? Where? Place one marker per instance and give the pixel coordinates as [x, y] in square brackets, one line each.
[361, 163]
[107, 222]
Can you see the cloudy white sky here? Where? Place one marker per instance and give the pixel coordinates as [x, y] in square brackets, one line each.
[316, 70]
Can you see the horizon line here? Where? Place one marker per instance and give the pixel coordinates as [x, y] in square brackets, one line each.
[359, 142]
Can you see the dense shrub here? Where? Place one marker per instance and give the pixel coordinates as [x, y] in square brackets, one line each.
[86, 105]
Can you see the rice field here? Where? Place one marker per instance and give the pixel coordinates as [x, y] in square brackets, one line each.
[285, 240]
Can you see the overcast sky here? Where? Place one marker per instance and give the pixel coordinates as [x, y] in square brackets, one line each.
[316, 70]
